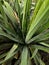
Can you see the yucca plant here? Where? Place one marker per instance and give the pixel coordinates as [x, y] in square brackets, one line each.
[23, 31]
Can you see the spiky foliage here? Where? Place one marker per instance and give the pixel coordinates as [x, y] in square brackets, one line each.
[23, 31]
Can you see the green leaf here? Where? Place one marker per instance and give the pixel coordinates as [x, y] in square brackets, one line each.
[41, 37]
[34, 53]
[26, 15]
[38, 60]
[4, 22]
[10, 13]
[42, 14]
[11, 51]
[24, 56]
[39, 47]
[8, 29]
[2, 15]
[2, 33]
[10, 54]
[45, 44]
[37, 7]
[17, 7]
[3, 55]
[44, 26]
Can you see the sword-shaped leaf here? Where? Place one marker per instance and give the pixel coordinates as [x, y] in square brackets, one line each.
[38, 60]
[39, 47]
[2, 33]
[24, 56]
[26, 15]
[39, 19]
[10, 13]
[37, 7]
[10, 54]
[41, 37]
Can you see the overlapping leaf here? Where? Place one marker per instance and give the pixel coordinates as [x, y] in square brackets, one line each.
[26, 13]
[41, 37]
[39, 19]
